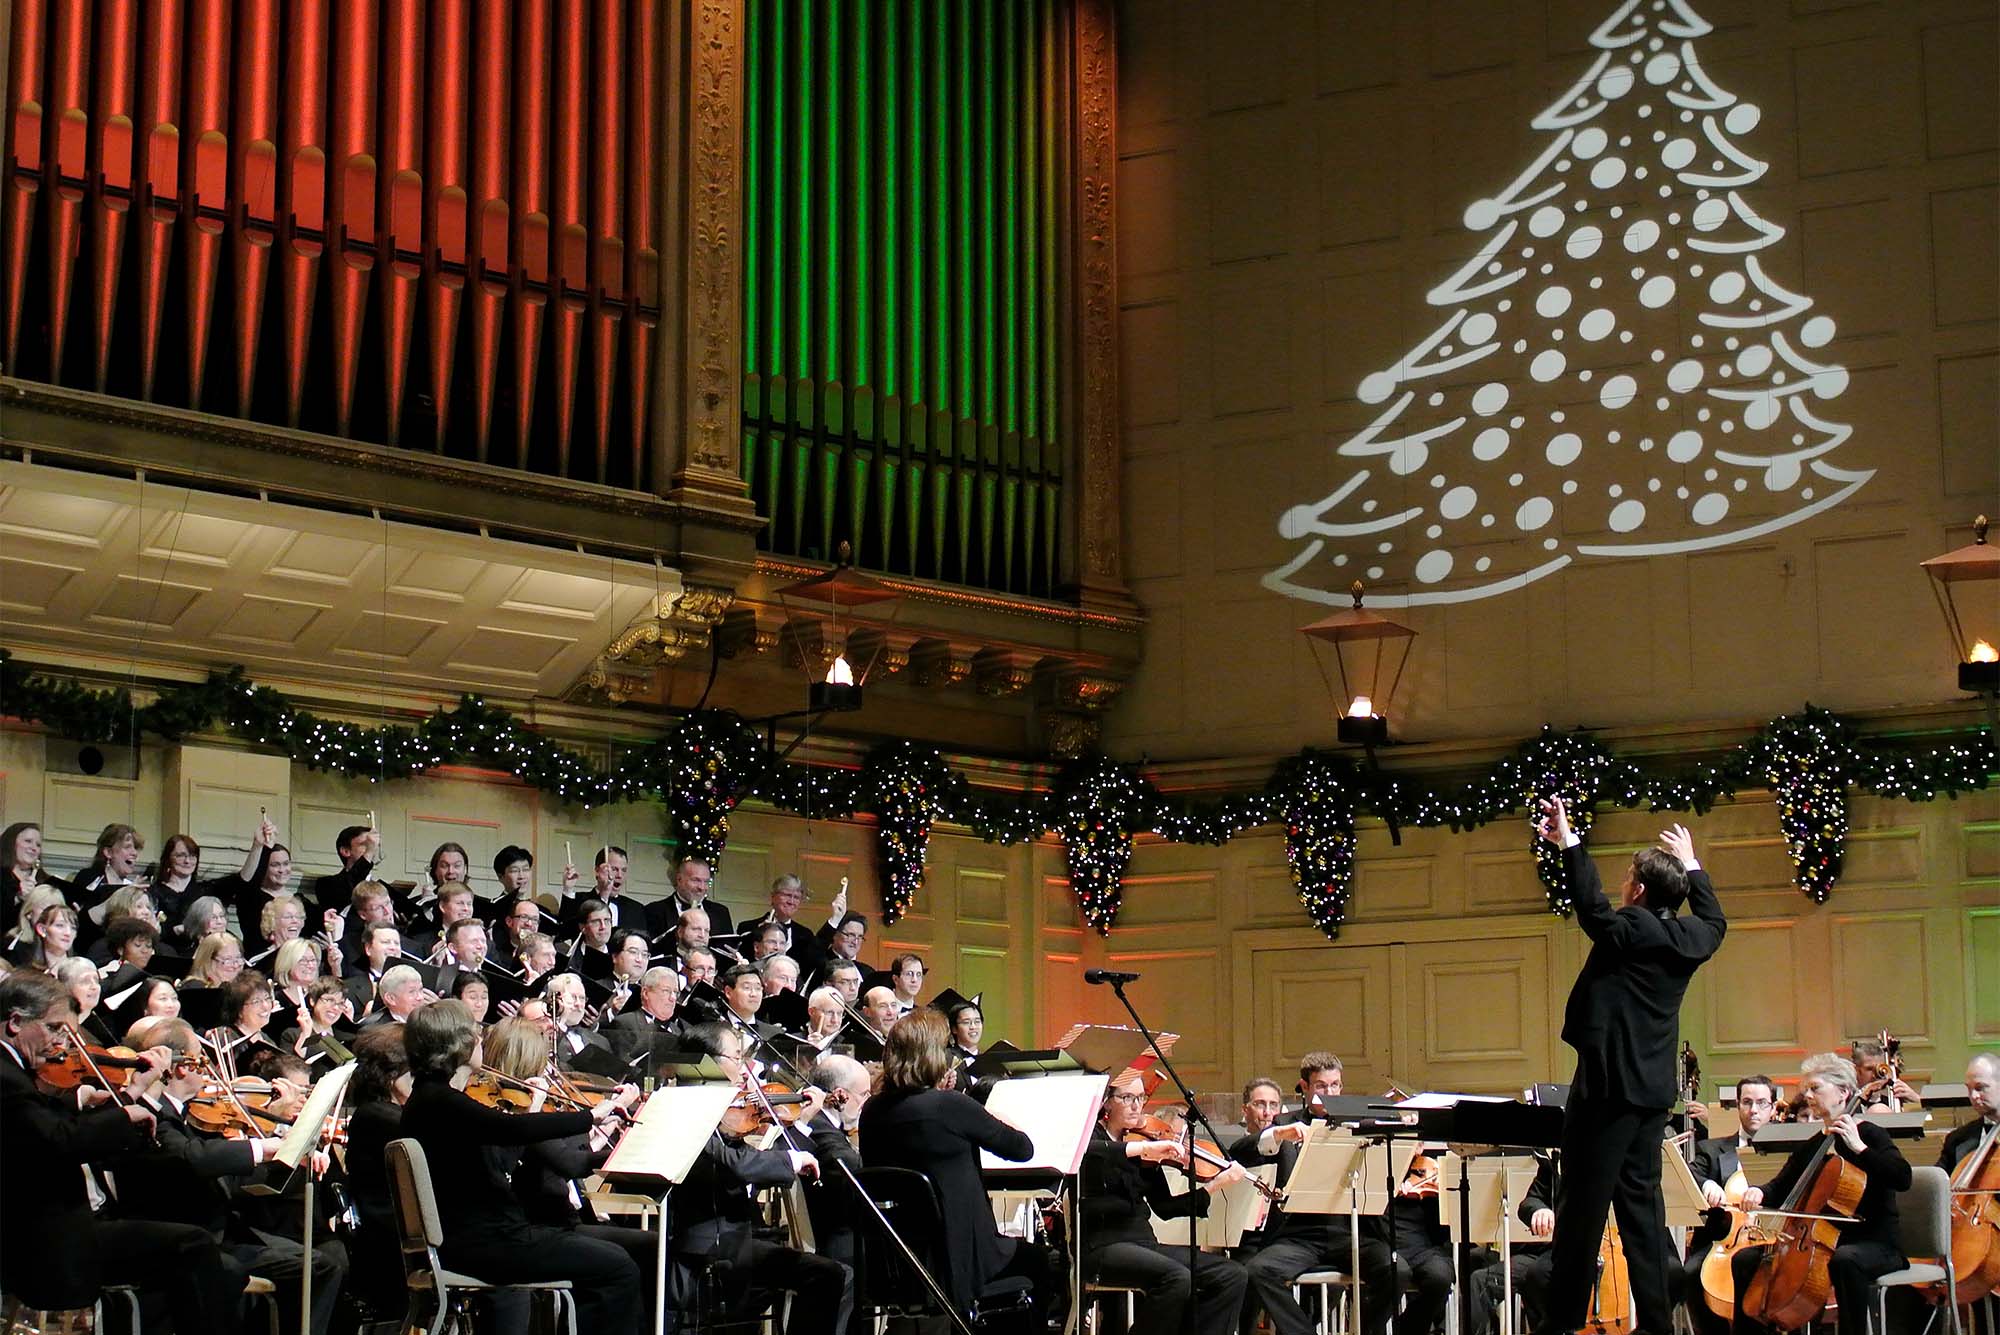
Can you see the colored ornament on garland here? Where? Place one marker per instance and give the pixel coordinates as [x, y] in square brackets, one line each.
[1099, 803]
[1806, 762]
[1319, 837]
[1570, 766]
[908, 779]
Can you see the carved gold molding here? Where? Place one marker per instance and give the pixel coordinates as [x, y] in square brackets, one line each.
[1096, 296]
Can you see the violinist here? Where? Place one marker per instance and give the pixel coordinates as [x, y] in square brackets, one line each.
[190, 1178]
[1423, 1243]
[1868, 1246]
[916, 1119]
[1717, 1166]
[486, 1232]
[830, 1204]
[714, 1215]
[1296, 1243]
[1982, 1087]
[56, 1250]
[381, 1086]
[1875, 1066]
[1123, 1188]
[547, 1176]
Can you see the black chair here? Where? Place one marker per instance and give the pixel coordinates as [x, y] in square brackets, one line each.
[885, 1284]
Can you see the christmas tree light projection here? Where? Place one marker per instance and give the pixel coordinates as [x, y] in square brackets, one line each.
[1616, 374]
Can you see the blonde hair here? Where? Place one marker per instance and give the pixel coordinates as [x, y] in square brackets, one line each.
[518, 1048]
[267, 921]
[32, 904]
[123, 899]
[204, 956]
[288, 959]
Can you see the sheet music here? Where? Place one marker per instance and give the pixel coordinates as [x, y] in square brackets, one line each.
[1417, 1101]
[1112, 1048]
[1235, 1210]
[303, 1138]
[673, 1126]
[1058, 1113]
[1484, 1176]
[1685, 1206]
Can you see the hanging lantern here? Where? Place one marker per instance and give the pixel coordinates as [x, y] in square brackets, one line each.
[1974, 627]
[1369, 652]
[822, 615]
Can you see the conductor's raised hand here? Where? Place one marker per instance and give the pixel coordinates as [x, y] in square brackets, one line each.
[1676, 840]
[1553, 824]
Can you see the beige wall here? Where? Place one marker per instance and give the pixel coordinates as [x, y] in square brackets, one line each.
[1292, 181]
[1451, 973]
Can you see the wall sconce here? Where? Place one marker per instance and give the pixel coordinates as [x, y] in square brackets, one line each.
[1363, 642]
[1975, 631]
[838, 602]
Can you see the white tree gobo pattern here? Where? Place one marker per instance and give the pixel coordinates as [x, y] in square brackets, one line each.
[1617, 375]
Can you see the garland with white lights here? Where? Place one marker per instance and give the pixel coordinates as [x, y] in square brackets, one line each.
[1569, 766]
[709, 763]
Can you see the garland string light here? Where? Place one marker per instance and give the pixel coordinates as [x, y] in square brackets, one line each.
[707, 764]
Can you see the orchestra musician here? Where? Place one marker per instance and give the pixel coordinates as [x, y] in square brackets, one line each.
[1623, 1019]
[1716, 1162]
[188, 1177]
[1982, 1087]
[1885, 1090]
[1298, 1242]
[381, 1085]
[1868, 1247]
[1124, 1188]
[714, 1217]
[916, 1120]
[487, 1234]
[830, 1204]
[56, 1249]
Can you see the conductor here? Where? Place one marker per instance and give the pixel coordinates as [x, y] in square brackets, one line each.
[1623, 1019]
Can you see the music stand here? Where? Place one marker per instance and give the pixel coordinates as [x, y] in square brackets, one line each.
[297, 1147]
[657, 1151]
[1489, 1189]
[1331, 1175]
[1686, 1207]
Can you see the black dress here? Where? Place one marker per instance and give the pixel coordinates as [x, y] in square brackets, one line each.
[376, 1275]
[1120, 1196]
[486, 1233]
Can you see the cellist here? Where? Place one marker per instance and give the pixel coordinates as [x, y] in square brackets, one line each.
[1868, 1246]
[1982, 1086]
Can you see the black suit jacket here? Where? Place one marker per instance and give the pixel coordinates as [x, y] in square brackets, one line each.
[939, 1133]
[46, 1257]
[1624, 1012]
[337, 891]
[1326, 1231]
[663, 915]
[713, 1216]
[187, 1178]
[1716, 1160]
[1961, 1142]
[802, 943]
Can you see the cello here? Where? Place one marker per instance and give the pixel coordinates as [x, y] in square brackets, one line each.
[1975, 1225]
[1792, 1283]
[1610, 1310]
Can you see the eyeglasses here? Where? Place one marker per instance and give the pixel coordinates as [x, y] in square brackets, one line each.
[1133, 1100]
[1755, 1103]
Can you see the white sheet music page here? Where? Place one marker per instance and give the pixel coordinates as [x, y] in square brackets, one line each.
[1057, 1112]
[672, 1127]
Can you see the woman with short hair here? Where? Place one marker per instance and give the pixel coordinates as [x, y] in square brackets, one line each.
[79, 978]
[1868, 1246]
[486, 1232]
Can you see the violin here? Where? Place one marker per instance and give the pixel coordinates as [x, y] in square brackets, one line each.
[86, 1063]
[496, 1089]
[1204, 1157]
[235, 1113]
[1422, 1181]
[772, 1105]
[1792, 1282]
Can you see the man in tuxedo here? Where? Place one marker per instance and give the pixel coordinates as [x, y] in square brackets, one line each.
[1623, 1019]
[1716, 1160]
[692, 879]
[653, 1018]
[788, 895]
[1296, 1243]
[55, 1251]
[1982, 1085]
[357, 847]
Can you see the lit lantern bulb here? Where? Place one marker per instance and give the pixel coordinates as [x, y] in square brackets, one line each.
[840, 674]
[1362, 707]
[1982, 652]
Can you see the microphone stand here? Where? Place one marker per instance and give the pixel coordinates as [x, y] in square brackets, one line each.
[1194, 1119]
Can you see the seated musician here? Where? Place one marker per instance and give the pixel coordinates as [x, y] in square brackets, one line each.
[56, 1249]
[836, 1221]
[486, 1233]
[714, 1217]
[190, 1177]
[1716, 1162]
[381, 1085]
[1123, 1187]
[547, 1178]
[1298, 1242]
[1423, 1246]
[1982, 1087]
[1533, 1262]
[1868, 1246]
[1885, 1092]
[916, 1120]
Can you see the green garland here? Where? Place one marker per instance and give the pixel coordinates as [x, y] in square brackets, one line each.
[708, 764]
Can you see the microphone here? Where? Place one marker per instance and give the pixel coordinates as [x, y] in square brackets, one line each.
[1099, 977]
